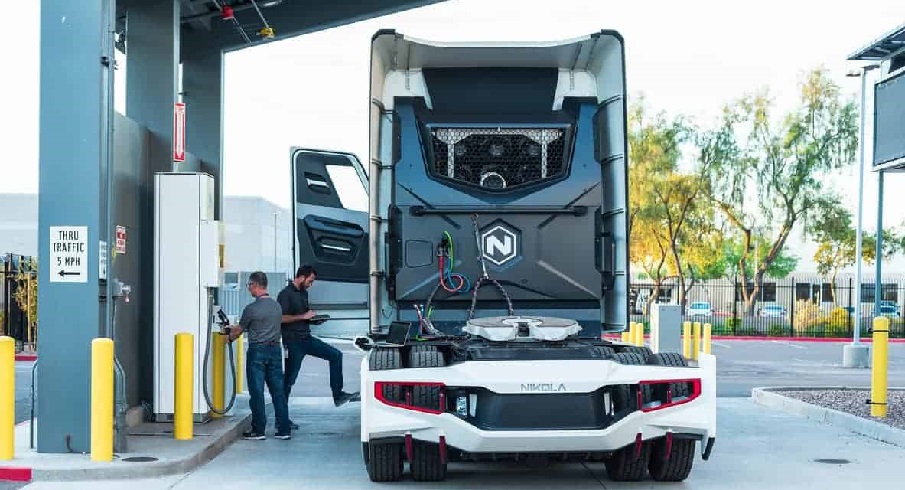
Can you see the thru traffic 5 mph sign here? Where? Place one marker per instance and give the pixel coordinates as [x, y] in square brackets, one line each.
[68, 254]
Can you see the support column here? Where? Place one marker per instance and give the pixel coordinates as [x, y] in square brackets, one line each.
[152, 83]
[202, 92]
[152, 51]
[75, 114]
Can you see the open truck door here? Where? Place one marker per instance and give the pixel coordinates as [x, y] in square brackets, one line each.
[330, 233]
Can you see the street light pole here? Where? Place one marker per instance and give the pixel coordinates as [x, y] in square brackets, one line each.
[856, 354]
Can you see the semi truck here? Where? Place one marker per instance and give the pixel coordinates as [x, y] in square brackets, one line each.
[484, 260]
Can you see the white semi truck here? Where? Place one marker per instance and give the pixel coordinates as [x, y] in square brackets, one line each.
[490, 259]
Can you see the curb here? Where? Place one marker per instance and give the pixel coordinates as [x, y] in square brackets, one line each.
[15, 473]
[865, 427]
[26, 357]
[128, 471]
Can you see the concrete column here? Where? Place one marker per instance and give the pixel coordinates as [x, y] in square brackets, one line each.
[75, 114]
[202, 87]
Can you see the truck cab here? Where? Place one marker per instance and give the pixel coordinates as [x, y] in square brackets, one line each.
[506, 163]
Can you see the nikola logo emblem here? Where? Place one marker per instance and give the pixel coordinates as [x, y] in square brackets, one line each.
[543, 387]
[500, 244]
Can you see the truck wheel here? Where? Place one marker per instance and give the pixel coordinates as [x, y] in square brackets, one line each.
[384, 460]
[677, 466]
[642, 351]
[426, 464]
[671, 359]
[607, 352]
[623, 465]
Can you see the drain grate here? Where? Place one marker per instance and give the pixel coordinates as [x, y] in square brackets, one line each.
[832, 461]
[140, 459]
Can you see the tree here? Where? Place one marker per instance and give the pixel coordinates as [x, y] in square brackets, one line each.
[666, 204]
[772, 175]
[836, 240]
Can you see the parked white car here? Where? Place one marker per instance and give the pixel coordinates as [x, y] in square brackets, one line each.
[699, 308]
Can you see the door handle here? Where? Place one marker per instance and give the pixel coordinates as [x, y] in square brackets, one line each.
[316, 183]
[338, 248]
[327, 225]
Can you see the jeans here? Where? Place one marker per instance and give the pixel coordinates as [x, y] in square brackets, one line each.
[313, 346]
[264, 365]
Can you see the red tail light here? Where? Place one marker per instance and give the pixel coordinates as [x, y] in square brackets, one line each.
[663, 395]
[402, 395]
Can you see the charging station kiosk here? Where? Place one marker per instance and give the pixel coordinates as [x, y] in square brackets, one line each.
[187, 266]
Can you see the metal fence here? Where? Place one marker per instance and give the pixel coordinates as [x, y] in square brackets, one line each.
[793, 307]
[19, 299]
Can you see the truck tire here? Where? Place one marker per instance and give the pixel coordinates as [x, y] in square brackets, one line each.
[642, 351]
[622, 465]
[608, 352]
[677, 466]
[385, 460]
[426, 463]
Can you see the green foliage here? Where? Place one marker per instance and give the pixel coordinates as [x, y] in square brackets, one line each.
[811, 321]
[836, 239]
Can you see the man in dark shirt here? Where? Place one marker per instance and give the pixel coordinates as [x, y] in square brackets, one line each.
[299, 342]
[261, 322]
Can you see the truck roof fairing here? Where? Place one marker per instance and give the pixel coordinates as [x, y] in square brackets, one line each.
[591, 66]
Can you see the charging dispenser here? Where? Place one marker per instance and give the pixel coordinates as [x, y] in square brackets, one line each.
[186, 269]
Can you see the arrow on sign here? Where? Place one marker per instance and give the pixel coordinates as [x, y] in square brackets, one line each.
[64, 273]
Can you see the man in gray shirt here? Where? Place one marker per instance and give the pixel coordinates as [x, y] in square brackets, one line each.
[264, 361]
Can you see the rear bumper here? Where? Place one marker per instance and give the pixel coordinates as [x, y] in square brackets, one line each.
[694, 418]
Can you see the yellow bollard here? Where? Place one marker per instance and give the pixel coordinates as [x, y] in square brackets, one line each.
[219, 378]
[632, 334]
[626, 336]
[7, 398]
[697, 340]
[878, 379]
[102, 399]
[183, 429]
[640, 341]
[240, 363]
[707, 329]
[686, 340]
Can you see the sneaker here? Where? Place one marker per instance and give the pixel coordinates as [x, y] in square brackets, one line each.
[253, 436]
[283, 436]
[344, 398]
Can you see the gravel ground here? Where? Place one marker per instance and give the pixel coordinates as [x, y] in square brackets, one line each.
[855, 403]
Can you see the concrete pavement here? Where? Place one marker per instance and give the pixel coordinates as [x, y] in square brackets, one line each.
[756, 448]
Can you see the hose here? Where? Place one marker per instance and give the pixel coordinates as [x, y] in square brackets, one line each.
[232, 361]
[485, 277]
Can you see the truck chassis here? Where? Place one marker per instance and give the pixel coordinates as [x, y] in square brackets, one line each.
[471, 399]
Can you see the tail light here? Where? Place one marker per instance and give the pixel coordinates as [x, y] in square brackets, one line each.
[402, 395]
[662, 393]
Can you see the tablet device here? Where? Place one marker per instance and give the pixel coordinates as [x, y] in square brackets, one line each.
[318, 319]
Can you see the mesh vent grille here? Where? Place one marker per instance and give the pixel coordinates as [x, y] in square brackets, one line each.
[498, 158]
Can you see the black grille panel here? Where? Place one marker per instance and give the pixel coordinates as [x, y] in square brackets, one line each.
[498, 159]
[552, 411]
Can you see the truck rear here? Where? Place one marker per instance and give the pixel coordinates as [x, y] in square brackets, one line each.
[490, 259]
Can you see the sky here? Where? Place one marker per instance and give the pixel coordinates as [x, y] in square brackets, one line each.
[686, 57]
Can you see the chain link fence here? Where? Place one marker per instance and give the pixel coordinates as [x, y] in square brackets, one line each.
[792, 307]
